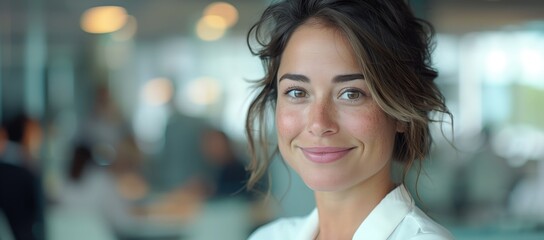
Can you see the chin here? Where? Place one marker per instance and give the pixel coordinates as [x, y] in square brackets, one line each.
[323, 183]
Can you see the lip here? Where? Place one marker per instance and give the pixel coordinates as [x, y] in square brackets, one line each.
[325, 154]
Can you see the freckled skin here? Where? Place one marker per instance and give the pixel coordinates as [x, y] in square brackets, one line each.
[324, 114]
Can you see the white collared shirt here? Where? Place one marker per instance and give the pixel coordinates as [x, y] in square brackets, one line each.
[395, 217]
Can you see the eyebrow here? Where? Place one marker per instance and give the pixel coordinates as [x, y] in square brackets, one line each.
[336, 79]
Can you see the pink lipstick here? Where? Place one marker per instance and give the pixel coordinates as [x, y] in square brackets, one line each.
[324, 154]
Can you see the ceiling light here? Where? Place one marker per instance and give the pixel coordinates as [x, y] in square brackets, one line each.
[103, 19]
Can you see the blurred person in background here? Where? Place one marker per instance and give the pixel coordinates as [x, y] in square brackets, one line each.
[127, 169]
[352, 88]
[178, 175]
[230, 178]
[525, 200]
[483, 198]
[105, 127]
[90, 194]
[231, 175]
[21, 195]
[180, 163]
[20, 141]
[20, 202]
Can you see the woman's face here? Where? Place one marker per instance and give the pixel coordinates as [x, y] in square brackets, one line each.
[330, 130]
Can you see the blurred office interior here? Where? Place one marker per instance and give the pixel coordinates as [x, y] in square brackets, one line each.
[117, 104]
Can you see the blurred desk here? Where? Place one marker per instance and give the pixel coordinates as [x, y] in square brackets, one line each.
[227, 219]
[483, 235]
[66, 224]
[507, 230]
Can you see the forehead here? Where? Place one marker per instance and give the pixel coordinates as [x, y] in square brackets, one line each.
[314, 44]
[315, 34]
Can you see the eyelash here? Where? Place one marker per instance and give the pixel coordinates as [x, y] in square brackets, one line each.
[289, 90]
[361, 93]
[353, 90]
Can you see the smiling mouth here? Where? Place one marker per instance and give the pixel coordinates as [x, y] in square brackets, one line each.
[325, 154]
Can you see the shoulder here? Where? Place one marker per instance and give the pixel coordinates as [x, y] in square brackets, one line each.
[418, 226]
[283, 228]
[22, 175]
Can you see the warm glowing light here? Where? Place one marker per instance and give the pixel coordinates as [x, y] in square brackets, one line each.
[126, 32]
[204, 91]
[211, 27]
[103, 19]
[157, 91]
[224, 10]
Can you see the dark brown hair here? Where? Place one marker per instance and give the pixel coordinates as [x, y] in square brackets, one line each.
[393, 49]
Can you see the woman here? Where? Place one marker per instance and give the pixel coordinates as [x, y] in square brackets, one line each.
[352, 90]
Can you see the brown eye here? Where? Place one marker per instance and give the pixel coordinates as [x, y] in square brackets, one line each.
[350, 95]
[295, 93]
[353, 95]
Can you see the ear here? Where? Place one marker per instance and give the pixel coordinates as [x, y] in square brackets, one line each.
[401, 126]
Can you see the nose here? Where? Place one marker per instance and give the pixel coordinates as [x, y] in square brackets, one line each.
[321, 119]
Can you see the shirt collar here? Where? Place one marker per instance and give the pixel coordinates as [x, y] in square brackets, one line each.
[386, 216]
[309, 228]
[379, 224]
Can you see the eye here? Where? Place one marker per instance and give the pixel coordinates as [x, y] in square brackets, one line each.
[351, 95]
[296, 93]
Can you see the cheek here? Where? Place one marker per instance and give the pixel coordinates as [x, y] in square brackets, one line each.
[288, 123]
[373, 127]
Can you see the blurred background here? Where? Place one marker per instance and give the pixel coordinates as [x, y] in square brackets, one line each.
[124, 120]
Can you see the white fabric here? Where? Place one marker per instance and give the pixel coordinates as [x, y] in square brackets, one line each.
[395, 217]
[93, 205]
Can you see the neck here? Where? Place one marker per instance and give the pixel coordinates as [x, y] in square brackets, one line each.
[342, 212]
